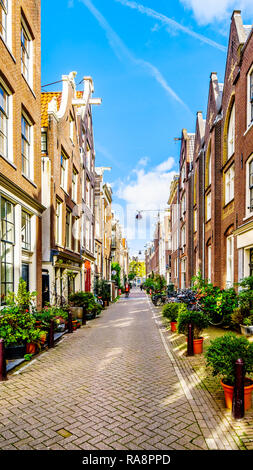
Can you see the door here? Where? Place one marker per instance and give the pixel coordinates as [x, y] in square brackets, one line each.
[25, 274]
[45, 289]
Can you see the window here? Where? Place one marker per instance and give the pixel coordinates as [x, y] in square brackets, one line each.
[71, 128]
[183, 273]
[251, 185]
[88, 192]
[209, 263]
[3, 19]
[44, 142]
[74, 185]
[251, 95]
[76, 234]
[26, 147]
[230, 260]
[229, 185]
[183, 238]
[183, 205]
[7, 248]
[26, 66]
[183, 175]
[210, 170]
[88, 156]
[58, 233]
[208, 206]
[4, 116]
[26, 230]
[64, 171]
[68, 229]
[195, 220]
[231, 133]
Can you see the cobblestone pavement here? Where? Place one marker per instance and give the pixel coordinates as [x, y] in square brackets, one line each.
[113, 384]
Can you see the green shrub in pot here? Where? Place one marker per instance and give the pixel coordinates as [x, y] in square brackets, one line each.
[223, 353]
[198, 320]
[171, 310]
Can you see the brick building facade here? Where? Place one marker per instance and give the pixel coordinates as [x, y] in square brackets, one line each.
[216, 185]
[20, 136]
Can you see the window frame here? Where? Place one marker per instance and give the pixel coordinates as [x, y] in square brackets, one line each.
[5, 11]
[208, 206]
[26, 245]
[26, 52]
[229, 185]
[4, 243]
[229, 260]
[6, 116]
[28, 141]
[231, 133]
[64, 172]
[58, 225]
[68, 229]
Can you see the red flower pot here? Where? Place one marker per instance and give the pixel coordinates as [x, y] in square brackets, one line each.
[173, 326]
[197, 345]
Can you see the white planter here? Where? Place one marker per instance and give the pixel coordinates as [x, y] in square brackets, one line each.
[247, 330]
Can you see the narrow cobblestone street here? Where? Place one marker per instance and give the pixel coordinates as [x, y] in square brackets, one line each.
[113, 384]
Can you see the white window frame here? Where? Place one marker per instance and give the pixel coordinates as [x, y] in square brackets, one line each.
[208, 206]
[64, 171]
[74, 185]
[68, 230]
[229, 261]
[28, 140]
[27, 53]
[58, 224]
[250, 97]
[209, 263]
[231, 133]
[229, 184]
[71, 128]
[4, 121]
[183, 273]
[195, 228]
[7, 26]
[210, 170]
[249, 187]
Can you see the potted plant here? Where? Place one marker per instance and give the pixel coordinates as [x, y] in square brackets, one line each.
[222, 355]
[14, 330]
[34, 340]
[199, 322]
[247, 325]
[171, 311]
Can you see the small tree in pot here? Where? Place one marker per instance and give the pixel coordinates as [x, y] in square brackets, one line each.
[199, 322]
[171, 312]
[222, 355]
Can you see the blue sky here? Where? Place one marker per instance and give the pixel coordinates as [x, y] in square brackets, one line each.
[150, 62]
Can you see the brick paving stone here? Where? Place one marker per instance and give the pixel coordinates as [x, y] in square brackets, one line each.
[112, 386]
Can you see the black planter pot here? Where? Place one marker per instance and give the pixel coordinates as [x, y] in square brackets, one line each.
[15, 351]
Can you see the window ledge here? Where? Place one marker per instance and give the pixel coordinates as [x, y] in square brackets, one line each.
[249, 127]
[67, 194]
[29, 180]
[28, 84]
[248, 216]
[227, 203]
[9, 161]
[8, 49]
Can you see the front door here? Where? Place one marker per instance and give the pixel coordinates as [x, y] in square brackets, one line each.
[45, 289]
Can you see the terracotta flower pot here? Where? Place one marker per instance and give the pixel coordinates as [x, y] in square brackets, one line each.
[74, 324]
[173, 326]
[31, 348]
[197, 345]
[228, 393]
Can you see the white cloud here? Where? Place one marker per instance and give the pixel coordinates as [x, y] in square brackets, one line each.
[148, 189]
[209, 11]
[172, 23]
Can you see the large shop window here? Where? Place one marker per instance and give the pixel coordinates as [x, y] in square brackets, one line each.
[7, 248]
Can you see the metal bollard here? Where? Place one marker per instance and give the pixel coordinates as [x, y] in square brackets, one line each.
[70, 326]
[84, 317]
[190, 351]
[238, 395]
[3, 373]
[51, 335]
